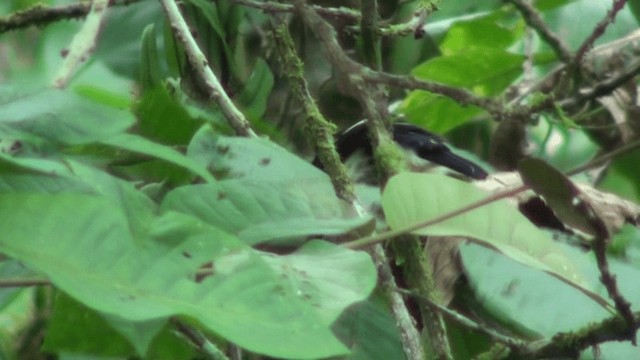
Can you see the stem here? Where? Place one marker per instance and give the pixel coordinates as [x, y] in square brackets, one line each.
[200, 63]
[83, 44]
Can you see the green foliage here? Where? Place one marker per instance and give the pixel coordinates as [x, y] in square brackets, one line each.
[60, 117]
[407, 201]
[474, 57]
[172, 266]
[537, 304]
[127, 192]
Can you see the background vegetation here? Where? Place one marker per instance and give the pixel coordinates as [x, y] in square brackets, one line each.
[157, 199]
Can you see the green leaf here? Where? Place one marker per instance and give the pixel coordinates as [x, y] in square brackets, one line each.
[210, 12]
[50, 176]
[634, 6]
[141, 145]
[483, 70]
[437, 113]
[88, 333]
[182, 266]
[537, 301]
[163, 118]
[77, 329]
[150, 69]
[250, 158]
[411, 198]
[264, 211]
[484, 32]
[61, 116]
[562, 196]
[215, 44]
[623, 176]
[255, 93]
[370, 331]
[103, 96]
[119, 46]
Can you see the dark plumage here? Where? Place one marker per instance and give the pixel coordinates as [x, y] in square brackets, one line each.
[424, 144]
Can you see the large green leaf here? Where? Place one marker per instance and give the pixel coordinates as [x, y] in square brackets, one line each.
[250, 158]
[280, 306]
[267, 210]
[141, 145]
[481, 32]
[35, 175]
[61, 116]
[437, 113]
[63, 335]
[255, 93]
[120, 46]
[163, 118]
[522, 298]
[411, 198]
[484, 70]
[370, 331]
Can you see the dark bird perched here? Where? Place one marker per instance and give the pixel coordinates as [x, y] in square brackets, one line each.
[425, 149]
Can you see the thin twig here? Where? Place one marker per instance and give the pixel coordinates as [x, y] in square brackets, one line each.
[599, 245]
[532, 18]
[377, 238]
[408, 333]
[569, 345]
[461, 96]
[318, 129]
[605, 157]
[373, 99]
[273, 7]
[587, 44]
[603, 88]
[323, 140]
[234, 116]
[83, 44]
[199, 341]
[415, 24]
[10, 283]
[40, 15]
[465, 321]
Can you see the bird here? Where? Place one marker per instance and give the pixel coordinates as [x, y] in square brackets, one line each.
[423, 148]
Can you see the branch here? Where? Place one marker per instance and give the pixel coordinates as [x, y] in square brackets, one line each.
[200, 63]
[598, 30]
[570, 344]
[272, 7]
[467, 322]
[318, 129]
[322, 135]
[83, 44]
[40, 15]
[461, 96]
[603, 88]
[415, 25]
[10, 283]
[374, 100]
[532, 18]
[199, 341]
[623, 306]
[409, 335]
